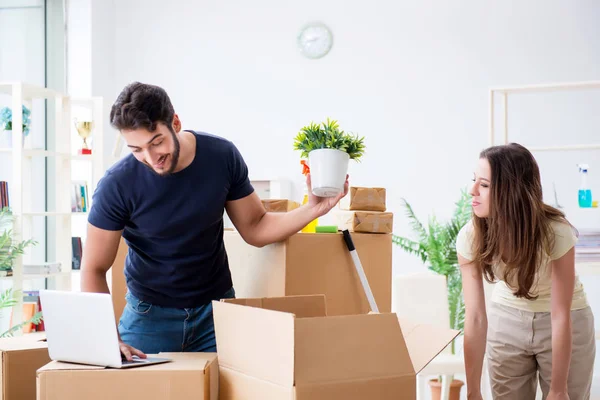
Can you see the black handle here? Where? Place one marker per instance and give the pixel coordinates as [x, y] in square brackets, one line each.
[348, 240]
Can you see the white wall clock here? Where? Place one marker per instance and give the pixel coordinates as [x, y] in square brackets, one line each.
[315, 40]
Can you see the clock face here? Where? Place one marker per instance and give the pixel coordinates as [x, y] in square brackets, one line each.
[315, 40]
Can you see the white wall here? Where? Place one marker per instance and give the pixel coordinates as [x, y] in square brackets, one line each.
[410, 76]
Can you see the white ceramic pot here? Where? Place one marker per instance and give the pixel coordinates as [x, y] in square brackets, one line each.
[328, 169]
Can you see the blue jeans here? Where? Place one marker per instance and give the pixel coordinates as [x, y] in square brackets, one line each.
[153, 329]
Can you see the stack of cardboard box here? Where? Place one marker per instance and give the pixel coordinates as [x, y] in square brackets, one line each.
[314, 263]
[365, 211]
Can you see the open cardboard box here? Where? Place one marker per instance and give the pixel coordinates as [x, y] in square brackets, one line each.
[288, 348]
[191, 376]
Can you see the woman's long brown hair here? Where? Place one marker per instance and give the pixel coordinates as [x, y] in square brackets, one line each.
[517, 230]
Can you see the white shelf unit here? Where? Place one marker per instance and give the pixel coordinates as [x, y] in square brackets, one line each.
[61, 157]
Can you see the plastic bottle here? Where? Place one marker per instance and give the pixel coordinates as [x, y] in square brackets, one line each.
[585, 193]
[312, 225]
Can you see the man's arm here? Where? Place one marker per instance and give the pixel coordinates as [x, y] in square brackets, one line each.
[259, 227]
[99, 253]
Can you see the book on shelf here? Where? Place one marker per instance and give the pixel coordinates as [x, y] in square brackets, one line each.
[4, 202]
[31, 306]
[77, 252]
[79, 196]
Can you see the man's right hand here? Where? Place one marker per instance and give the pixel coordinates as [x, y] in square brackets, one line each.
[129, 351]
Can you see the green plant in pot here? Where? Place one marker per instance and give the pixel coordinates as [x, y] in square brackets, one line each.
[328, 149]
[435, 245]
[9, 251]
[6, 124]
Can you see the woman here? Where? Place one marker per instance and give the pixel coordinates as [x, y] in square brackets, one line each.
[539, 319]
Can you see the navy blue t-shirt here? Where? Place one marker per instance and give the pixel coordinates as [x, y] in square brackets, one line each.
[174, 224]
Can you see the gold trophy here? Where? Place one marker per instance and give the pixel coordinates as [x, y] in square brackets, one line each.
[84, 129]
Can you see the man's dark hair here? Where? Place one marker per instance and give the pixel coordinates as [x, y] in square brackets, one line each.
[141, 105]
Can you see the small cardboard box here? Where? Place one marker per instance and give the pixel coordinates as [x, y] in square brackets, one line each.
[279, 205]
[21, 357]
[290, 349]
[191, 376]
[365, 199]
[314, 263]
[365, 221]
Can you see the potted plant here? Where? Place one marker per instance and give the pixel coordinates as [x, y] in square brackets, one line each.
[9, 250]
[328, 149]
[6, 124]
[435, 245]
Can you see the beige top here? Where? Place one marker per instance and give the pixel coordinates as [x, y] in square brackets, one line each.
[542, 286]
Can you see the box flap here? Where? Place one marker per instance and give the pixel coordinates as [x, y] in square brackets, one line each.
[343, 348]
[301, 306]
[23, 343]
[61, 366]
[181, 361]
[425, 342]
[255, 341]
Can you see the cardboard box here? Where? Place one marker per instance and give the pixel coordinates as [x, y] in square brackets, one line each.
[366, 199]
[290, 349]
[365, 221]
[21, 357]
[280, 205]
[314, 263]
[190, 376]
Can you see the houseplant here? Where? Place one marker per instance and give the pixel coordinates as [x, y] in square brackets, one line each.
[435, 245]
[328, 149]
[6, 123]
[9, 250]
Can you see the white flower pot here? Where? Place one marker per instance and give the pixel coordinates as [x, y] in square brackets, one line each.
[328, 169]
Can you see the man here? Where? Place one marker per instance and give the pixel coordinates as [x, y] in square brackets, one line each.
[167, 199]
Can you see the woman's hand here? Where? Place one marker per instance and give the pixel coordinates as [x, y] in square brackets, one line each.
[474, 396]
[557, 396]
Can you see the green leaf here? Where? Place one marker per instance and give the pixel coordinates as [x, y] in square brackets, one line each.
[328, 135]
[10, 250]
[36, 319]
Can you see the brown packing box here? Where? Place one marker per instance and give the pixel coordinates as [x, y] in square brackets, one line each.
[190, 376]
[367, 199]
[292, 350]
[314, 263]
[279, 205]
[365, 221]
[21, 357]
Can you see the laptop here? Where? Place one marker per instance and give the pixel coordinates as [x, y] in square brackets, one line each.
[80, 328]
